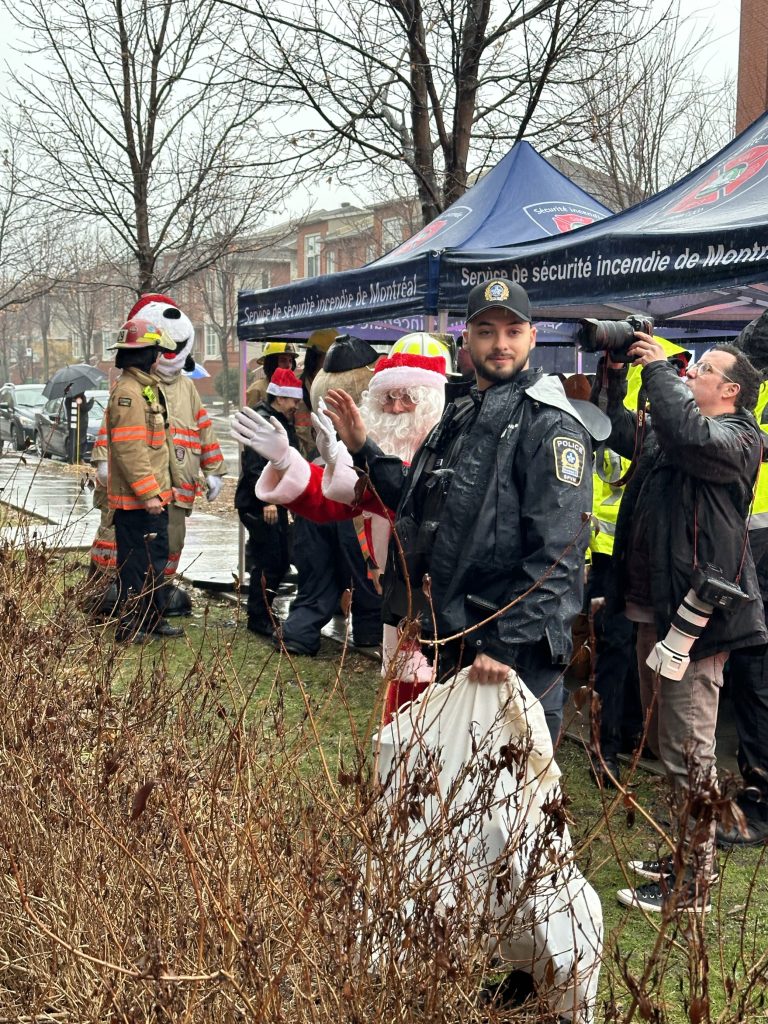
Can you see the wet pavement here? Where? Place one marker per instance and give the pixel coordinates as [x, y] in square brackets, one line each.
[63, 498]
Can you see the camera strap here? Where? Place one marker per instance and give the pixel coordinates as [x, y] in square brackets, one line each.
[640, 419]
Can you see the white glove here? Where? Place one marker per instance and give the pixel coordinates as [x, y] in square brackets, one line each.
[214, 486]
[102, 472]
[325, 435]
[267, 437]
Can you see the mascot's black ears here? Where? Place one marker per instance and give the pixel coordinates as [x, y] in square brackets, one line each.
[189, 365]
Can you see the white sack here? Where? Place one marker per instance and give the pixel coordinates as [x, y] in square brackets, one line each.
[510, 859]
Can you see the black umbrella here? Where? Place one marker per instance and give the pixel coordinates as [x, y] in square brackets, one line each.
[74, 380]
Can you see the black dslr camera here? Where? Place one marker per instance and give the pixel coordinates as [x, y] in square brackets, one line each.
[612, 336]
[713, 588]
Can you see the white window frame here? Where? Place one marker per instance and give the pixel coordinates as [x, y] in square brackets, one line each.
[330, 261]
[211, 343]
[391, 233]
[312, 248]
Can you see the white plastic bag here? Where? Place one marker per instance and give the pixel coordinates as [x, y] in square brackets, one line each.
[488, 831]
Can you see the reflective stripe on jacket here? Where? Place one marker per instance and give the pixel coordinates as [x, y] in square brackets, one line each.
[136, 443]
[606, 499]
[194, 447]
[759, 518]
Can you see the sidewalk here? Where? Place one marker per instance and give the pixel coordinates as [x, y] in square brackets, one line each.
[44, 488]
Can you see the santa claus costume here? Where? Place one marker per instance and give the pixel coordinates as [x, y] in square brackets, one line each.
[325, 495]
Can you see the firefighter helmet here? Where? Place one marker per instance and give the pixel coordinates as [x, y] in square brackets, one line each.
[140, 333]
[276, 348]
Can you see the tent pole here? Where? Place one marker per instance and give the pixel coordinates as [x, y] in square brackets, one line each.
[442, 321]
[243, 383]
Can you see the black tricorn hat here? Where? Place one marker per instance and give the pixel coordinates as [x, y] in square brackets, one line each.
[349, 353]
[753, 342]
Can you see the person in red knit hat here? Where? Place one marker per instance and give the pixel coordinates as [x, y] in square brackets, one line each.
[268, 526]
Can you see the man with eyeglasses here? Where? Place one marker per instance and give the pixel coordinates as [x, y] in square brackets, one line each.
[685, 506]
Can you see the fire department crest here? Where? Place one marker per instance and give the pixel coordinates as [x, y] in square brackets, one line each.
[731, 176]
[439, 226]
[496, 291]
[555, 218]
[179, 451]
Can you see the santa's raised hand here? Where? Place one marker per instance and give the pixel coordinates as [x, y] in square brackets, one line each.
[346, 418]
[266, 437]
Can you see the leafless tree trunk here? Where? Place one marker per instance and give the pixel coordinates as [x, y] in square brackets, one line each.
[41, 311]
[81, 298]
[433, 92]
[135, 126]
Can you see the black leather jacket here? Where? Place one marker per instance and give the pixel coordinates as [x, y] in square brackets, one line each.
[249, 507]
[693, 487]
[493, 509]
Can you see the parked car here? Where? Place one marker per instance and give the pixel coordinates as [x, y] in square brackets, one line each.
[54, 435]
[18, 404]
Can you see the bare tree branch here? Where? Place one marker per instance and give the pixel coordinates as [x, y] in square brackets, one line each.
[430, 90]
[134, 124]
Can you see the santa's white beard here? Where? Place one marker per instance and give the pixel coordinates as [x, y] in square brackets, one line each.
[401, 434]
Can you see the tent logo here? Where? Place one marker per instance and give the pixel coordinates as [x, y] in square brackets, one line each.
[435, 228]
[725, 180]
[557, 218]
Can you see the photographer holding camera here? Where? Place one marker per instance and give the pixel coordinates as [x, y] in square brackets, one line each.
[683, 571]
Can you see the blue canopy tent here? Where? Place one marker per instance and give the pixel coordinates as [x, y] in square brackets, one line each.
[522, 198]
[694, 255]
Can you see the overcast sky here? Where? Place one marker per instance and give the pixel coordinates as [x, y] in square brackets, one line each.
[718, 59]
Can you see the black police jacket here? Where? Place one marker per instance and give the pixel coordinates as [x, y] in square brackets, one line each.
[493, 510]
[693, 486]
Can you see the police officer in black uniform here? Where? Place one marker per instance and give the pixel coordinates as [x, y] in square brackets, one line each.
[494, 510]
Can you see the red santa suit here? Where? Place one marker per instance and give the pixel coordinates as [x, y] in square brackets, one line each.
[327, 495]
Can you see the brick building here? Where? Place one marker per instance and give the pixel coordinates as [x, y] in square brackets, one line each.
[752, 91]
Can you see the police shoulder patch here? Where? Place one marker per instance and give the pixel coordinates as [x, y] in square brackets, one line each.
[123, 401]
[570, 456]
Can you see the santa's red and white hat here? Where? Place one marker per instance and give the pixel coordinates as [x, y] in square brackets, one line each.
[405, 370]
[285, 384]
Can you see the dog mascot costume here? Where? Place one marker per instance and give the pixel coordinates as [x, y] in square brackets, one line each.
[195, 450]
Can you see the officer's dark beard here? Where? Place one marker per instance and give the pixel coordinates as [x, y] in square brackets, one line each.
[486, 371]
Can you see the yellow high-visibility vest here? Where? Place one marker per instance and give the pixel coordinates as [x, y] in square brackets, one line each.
[759, 517]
